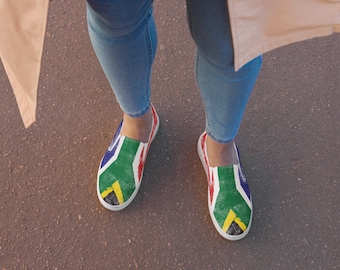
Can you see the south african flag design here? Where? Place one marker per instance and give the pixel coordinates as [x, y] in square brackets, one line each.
[230, 205]
[121, 169]
[229, 198]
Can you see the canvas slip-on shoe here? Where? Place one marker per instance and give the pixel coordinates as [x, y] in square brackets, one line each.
[121, 169]
[229, 198]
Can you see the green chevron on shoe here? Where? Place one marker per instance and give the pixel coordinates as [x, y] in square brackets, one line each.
[229, 199]
[120, 170]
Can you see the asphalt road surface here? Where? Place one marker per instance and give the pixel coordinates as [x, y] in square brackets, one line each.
[50, 217]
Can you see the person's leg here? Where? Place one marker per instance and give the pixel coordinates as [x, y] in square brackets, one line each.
[225, 92]
[123, 35]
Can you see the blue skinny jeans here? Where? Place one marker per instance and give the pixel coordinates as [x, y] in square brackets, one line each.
[124, 38]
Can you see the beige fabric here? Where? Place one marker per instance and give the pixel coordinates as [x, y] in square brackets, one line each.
[259, 26]
[22, 30]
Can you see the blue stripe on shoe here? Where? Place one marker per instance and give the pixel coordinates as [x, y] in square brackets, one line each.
[112, 148]
[244, 184]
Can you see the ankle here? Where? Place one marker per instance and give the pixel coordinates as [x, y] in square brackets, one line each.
[220, 154]
[137, 128]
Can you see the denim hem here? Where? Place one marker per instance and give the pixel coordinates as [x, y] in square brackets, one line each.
[211, 135]
[140, 113]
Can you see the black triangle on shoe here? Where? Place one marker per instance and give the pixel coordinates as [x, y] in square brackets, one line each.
[111, 198]
[234, 229]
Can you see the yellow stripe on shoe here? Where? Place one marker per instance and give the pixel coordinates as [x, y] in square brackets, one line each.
[232, 217]
[240, 223]
[106, 192]
[229, 219]
[116, 189]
